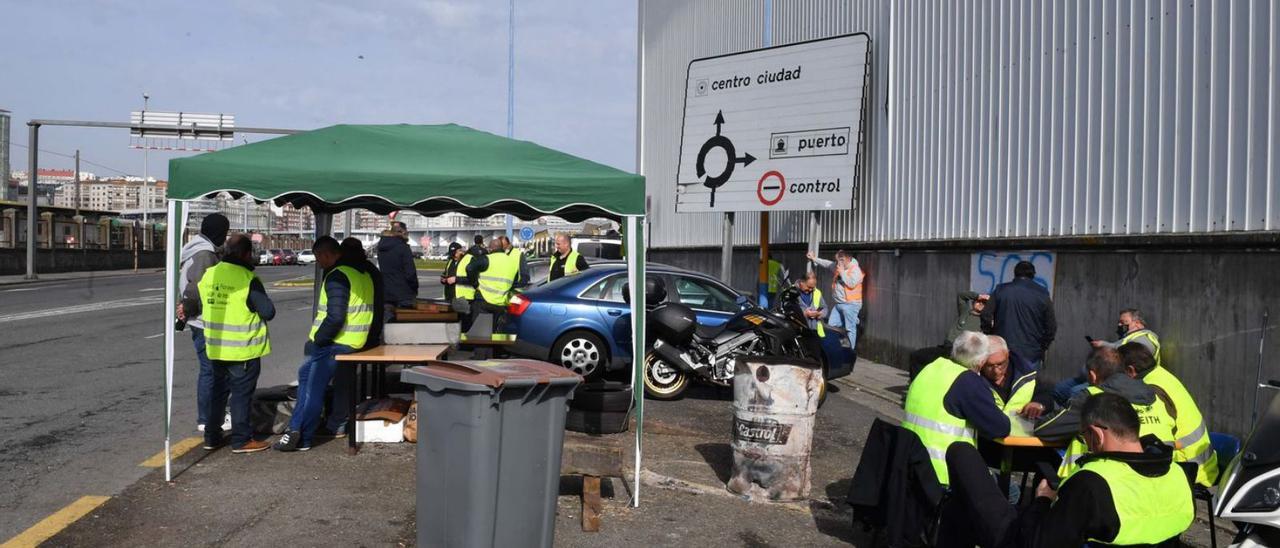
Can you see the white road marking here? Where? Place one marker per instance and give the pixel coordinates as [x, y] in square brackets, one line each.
[82, 308]
[154, 336]
[151, 289]
[23, 289]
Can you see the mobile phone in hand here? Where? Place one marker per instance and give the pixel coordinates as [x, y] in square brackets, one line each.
[1089, 338]
[1049, 474]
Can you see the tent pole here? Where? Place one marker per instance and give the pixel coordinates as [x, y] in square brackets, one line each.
[635, 276]
[324, 224]
[170, 316]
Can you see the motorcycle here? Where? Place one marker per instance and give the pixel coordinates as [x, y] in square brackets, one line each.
[1249, 490]
[681, 350]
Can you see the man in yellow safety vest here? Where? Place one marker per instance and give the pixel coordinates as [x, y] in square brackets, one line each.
[344, 316]
[1013, 382]
[235, 309]
[565, 261]
[1189, 427]
[1126, 493]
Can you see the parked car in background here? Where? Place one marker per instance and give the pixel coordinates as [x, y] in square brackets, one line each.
[277, 257]
[602, 247]
[306, 257]
[289, 257]
[583, 323]
[265, 257]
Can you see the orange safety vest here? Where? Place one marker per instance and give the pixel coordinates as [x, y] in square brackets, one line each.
[851, 294]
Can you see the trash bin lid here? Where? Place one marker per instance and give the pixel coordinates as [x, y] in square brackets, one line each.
[488, 375]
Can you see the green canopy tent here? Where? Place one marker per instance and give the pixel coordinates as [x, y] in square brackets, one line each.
[428, 169]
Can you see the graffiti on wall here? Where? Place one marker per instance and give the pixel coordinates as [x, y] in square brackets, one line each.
[991, 268]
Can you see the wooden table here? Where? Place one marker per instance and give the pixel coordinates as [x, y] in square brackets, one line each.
[416, 315]
[378, 359]
[1023, 445]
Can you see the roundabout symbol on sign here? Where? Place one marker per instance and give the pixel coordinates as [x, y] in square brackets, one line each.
[719, 141]
[763, 190]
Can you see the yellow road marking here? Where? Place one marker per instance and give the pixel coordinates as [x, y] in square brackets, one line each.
[50, 526]
[178, 449]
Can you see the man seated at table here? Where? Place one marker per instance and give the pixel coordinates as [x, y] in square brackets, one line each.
[1106, 374]
[1012, 381]
[344, 315]
[950, 403]
[1189, 427]
[1127, 492]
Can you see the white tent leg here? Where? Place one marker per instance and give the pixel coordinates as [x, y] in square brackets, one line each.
[174, 222]
[635, 276]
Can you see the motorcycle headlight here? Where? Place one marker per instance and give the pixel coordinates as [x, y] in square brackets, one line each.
[1264, 497]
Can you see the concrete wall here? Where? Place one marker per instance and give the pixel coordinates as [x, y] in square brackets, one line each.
[14, 261]
[1206, 304]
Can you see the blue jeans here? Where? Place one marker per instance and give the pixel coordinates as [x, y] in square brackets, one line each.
[1067, 389]
[236, 380]
[204, 381]
[846, 315]
[313, 378]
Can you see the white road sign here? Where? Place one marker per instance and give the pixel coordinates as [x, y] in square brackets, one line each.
[774, 129]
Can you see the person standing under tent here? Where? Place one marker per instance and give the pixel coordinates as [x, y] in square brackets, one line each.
[399, 273]
[199, 255]
[235, 308]
[449, 276]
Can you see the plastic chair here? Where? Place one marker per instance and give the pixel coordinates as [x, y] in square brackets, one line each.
[1226, 447]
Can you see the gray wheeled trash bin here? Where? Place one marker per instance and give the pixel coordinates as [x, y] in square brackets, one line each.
[489, 443]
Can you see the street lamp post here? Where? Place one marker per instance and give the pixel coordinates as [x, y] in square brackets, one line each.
[145, 164]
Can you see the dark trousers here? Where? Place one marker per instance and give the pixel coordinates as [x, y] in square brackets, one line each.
[479, 306]
[204, 380]
[236, 381]
[976, 513]
[917, 360]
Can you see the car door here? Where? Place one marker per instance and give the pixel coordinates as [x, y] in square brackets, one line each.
[712, 302]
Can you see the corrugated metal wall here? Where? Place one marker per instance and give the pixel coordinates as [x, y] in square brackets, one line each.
[1015, 118]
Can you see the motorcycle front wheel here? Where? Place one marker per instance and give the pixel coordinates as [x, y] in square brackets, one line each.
[662, 381]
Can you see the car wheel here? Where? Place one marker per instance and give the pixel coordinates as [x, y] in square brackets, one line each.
[602, 396]
[663, 381]
[582, 352]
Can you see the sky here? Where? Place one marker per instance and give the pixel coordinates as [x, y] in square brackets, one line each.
[304, 64]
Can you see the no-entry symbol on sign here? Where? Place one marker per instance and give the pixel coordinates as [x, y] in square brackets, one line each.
[770, 192]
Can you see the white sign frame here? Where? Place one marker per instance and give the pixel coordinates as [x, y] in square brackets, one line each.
[775, 129]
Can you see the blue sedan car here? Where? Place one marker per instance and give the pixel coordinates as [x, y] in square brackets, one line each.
[583, 323]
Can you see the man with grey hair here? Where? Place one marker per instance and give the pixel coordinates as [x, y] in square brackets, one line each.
[950, 402]
[1013, 383]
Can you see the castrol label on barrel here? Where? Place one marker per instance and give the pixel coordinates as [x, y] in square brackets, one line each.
[768, 432]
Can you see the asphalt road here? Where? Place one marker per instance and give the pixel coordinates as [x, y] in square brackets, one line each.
[82, 384]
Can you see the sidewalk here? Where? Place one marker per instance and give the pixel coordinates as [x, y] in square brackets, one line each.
[19, 279]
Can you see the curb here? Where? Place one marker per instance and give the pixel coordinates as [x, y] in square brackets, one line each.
[61, 277]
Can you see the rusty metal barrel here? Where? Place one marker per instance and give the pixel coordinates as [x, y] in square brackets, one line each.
[774, 402]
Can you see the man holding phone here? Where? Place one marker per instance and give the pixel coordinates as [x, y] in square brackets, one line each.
[1127, 492]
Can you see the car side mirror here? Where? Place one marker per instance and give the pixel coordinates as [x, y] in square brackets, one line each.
[742, 301]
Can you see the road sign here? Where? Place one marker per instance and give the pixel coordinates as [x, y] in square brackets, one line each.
[526, 233]
[774, 129]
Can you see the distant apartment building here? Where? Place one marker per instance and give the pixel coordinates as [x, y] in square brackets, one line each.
[124, 194]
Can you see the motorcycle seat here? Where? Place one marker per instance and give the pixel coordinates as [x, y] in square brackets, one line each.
[709, 332]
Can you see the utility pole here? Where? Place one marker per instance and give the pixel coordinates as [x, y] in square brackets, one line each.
[145, 163]
[77, 182]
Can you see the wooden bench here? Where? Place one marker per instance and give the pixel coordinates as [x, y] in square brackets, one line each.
[592, 457]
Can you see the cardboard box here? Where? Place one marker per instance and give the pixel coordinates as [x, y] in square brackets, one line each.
[379, 431]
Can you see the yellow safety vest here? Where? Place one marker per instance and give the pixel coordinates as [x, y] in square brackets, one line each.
[355, 328]
[570, 264]
[817, 303]
[774, 268]
[496, 281]
[1189, 427]
[928, 417]
[1020, 393]
[1154, 420]
[1150, 335]
[232, 332]
[462, 290]
[1151, 510]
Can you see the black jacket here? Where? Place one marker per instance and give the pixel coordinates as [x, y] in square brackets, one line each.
[399, 274]
[894, 487]
[1022, 313]
[1065, 423]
